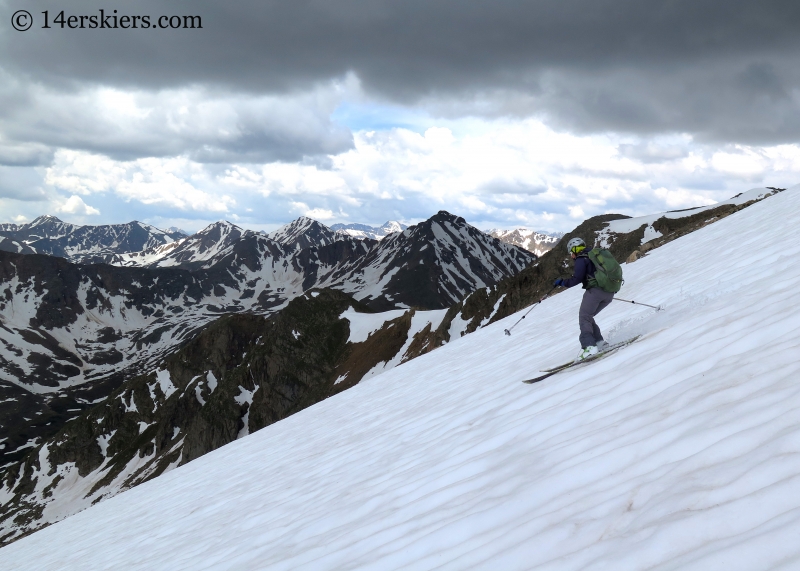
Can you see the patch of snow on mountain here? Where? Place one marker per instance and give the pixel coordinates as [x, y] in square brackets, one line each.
[165, 383]
[650, 233]
[198, 393]
[245, 397]
[103, 440]
[150, 256]
[362, 325]
[488, 318]
[212, 381]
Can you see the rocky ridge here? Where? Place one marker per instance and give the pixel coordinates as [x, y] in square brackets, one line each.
[84, 244]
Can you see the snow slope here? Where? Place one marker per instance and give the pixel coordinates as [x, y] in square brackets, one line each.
[681, 451]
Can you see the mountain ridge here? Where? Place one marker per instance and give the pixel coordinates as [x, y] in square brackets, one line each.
[85, 244]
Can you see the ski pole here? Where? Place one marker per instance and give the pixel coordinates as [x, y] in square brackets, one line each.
[659, 308]
[508, 331]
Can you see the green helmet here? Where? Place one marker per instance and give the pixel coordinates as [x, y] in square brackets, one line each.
[576, 245]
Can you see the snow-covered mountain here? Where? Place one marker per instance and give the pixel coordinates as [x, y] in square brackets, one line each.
[430, 265]
[303, 233]
[202, 249]
[536, 242]
[87, 244]
[677, 452]
[371, 232]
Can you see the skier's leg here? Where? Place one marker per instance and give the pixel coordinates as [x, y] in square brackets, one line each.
[598, 335]
[586, 318]
[604, 300]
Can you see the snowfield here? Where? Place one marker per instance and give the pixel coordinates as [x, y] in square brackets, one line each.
[680, 451]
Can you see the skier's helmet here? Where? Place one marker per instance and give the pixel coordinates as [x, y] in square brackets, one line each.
[576, 245]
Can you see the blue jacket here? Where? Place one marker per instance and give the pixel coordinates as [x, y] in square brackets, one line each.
[584, 269]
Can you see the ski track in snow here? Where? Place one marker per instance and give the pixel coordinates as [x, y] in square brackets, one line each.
[681, 451]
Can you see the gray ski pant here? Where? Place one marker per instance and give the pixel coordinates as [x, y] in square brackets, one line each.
[594, 301]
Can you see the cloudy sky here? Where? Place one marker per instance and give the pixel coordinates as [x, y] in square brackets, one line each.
[509, 113]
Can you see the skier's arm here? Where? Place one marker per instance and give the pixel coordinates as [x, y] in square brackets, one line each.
[581, 266]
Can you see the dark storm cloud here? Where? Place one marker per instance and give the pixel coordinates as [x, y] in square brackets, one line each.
[725, 70]
[124, 125]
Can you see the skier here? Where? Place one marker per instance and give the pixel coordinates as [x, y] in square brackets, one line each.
[594, 301]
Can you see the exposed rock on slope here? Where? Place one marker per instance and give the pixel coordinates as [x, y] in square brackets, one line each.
[200, 250]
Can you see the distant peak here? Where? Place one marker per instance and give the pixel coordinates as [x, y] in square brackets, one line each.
[223, 225]
[393, 226]
[303, 222]
[445, 216]
[47, 218]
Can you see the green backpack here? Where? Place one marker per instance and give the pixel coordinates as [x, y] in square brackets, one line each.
[608, 274]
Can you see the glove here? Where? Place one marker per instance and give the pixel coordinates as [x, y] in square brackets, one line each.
[558, 282]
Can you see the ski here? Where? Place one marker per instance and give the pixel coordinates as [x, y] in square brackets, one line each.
[607, 351]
